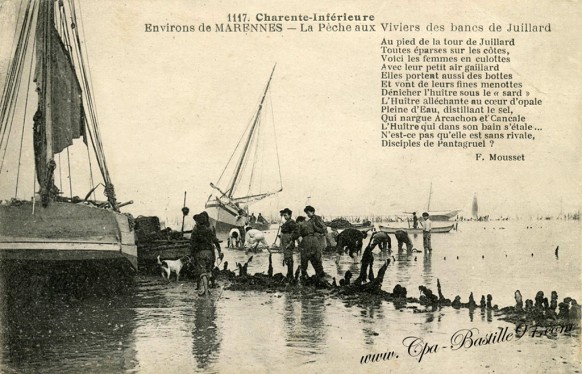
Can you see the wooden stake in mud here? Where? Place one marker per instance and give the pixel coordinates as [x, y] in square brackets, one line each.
[277, 236]
[185, 212]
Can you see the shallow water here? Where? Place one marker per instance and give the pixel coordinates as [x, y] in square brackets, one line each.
[164, 327]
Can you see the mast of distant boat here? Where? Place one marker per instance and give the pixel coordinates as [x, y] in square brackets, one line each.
[230, 190]
[429, 197]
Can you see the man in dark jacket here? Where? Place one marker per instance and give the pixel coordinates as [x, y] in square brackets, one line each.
[312, 233]
[202, 243]
[287, 243]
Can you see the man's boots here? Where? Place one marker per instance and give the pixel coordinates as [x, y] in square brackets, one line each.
[203, 285]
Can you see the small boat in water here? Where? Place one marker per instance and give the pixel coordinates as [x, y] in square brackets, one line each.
[243, 182]
[475, 208]
[47, 103]
[441, 215]
[410, 230]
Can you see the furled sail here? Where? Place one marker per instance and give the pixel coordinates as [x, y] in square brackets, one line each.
[60, 117]
[50, 52]
[67, 115]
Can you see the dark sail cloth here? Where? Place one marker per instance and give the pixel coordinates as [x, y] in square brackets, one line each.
[202, 244]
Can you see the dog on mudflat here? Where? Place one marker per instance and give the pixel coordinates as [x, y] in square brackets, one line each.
[173, 266]
[234, 238]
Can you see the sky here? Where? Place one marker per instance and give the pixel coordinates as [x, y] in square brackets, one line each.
[172, 107]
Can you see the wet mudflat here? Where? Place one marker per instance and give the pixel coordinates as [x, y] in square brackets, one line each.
[156, 326]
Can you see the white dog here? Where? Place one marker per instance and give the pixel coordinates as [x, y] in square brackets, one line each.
[234, 238]
[173, 266]
[255, 237]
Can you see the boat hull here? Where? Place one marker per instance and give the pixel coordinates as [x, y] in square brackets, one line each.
[64, 232]
[443, 216]
[223, 217]
[435, 230]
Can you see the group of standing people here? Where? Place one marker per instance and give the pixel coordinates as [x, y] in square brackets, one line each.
[309, 233]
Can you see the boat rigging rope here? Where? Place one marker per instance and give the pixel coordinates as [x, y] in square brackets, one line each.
[91, 181]
[234, 152]
[276, 144]
[12, 85]
[60, 174]
[23, 126]
[91, 118]
[255, 148]
[70, 176]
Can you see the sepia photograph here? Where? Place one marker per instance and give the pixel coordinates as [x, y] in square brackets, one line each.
[266, 187]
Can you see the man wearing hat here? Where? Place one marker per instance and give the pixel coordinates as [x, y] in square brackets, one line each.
[426, 229]
[414, 220]
[202, 242]
[287, 243]
[313, 242]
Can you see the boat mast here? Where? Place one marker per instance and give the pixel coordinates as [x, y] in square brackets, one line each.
[429, 196]
[47, 73]
[248, 142]
[46, 167]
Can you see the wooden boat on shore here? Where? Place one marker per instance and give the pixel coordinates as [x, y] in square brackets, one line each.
[47, 104]
[410, 230]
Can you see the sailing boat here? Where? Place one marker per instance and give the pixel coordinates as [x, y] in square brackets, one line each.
[441, 215]
[245, 178]
[48, 68]
[475, 208]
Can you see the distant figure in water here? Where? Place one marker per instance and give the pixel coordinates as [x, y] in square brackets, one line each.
[261, 219]
[252, 218]
[414, 220]
[426, 230]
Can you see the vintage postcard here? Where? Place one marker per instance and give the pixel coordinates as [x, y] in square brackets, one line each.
[271, 186]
